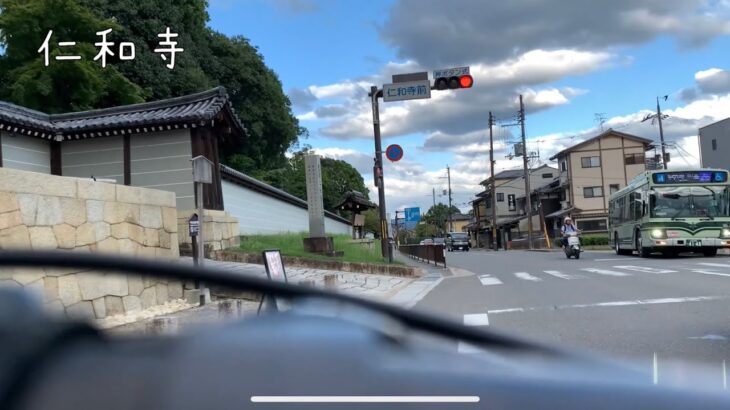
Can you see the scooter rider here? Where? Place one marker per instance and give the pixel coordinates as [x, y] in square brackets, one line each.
[567, 229]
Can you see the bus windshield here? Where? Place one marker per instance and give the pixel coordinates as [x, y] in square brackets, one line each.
[689, 202]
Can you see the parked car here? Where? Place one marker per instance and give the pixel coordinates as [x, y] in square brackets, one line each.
[439, 241]
[457, 241]
[427, 242]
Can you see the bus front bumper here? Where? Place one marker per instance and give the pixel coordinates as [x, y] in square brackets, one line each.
[691, 242]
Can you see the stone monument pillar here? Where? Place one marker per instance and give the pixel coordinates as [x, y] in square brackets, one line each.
[317, 241]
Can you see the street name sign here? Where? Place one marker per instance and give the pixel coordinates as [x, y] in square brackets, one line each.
[412, 90]
[451, 72]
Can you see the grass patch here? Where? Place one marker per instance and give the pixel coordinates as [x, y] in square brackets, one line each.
[290, 244]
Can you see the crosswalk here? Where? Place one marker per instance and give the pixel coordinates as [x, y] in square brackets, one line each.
[615, 271]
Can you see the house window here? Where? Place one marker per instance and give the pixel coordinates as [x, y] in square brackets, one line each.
[564, 166]
[633, 159]
[592, 192]
[590, 162]
[613, 188]
[548, 175]
[500, 197]
[592, 225]
[714, 144]
[511, 202]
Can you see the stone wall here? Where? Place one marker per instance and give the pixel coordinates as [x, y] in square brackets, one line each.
[39, 211]
[220, 230]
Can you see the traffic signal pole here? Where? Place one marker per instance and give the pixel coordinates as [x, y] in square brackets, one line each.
[385, 247]
[494, 184]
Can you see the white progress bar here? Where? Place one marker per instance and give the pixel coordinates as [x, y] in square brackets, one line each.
[365, 399]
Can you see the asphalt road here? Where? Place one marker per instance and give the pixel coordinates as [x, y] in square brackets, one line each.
[624, 306]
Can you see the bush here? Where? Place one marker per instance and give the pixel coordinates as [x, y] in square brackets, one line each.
[588, 240]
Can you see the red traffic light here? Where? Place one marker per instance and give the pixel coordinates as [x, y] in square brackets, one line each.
[452, 83]
[466, 81]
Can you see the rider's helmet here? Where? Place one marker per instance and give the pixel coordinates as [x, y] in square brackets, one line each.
[567, 220]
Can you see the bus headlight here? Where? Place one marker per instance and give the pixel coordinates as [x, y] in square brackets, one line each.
[657, 233]
[725, 233]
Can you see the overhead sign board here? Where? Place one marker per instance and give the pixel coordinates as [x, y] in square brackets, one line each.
[413, 214]
[404, 78]
[690, 177]
[451, 72]
[412, 90]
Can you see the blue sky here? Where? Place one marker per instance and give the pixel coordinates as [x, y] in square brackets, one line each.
[571, 60]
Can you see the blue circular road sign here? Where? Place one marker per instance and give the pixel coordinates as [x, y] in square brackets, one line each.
[394, 152]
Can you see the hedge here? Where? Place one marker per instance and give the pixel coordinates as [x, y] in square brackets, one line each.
[588, 240]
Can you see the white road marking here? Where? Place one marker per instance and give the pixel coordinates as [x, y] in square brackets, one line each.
[489, 280]
[724, 376]
[527, 276]
[609, 259]
[467, 348]
[476, 319]
[717, 265]
[365, 399]
[645, 269]
[709, 272]
[655, 377]
[557, 274]
[605, 272]
[659, 301]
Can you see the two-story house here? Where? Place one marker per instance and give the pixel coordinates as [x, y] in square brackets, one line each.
[714, 142]
[592, 170]
[509, 186]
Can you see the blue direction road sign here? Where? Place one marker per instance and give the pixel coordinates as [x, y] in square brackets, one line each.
[394, 152]
[413, 214]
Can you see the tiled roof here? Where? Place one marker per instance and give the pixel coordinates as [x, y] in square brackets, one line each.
[189, 110]
[610, 131]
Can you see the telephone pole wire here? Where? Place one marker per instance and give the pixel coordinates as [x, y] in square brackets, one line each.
[528, 201]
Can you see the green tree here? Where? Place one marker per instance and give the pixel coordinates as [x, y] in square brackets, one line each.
[426, 230]
[438, 214]
[62, 85]
[372, 222]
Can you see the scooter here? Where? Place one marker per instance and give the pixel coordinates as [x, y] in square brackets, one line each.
[573, 246]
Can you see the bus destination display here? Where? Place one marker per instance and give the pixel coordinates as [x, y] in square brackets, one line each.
[690, 177]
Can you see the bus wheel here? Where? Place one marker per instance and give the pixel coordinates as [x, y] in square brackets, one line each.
[618, 250]
[640, 250]
[710, 252]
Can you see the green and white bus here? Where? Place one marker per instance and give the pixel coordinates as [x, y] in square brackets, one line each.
[671, 212]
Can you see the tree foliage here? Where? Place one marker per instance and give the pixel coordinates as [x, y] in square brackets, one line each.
[438, 215]
[372, 222]
[338, 177]
[426, 230]
[209, 59]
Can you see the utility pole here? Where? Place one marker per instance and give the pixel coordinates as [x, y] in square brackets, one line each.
[494, 184]
[451, 220]
[385, 248]
[661, 131]
[528, 202]
[434, 196]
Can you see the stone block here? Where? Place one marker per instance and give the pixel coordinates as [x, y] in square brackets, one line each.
[94, 211]
[55, 272]
[50, 284]
[162, 253]
[157, 197]
[28, 204]
[319, 245]
[94, 285]
[55, 307]
[169, 219]
[151, 237]
[114, 305]
[128, 247]
[68, 290]
[129, 194]
[164, 237]
[99, 308]
[115, 212]
[148, 297]
[161, 292]
[8, 202]
[65, 236]
[148, 281]
[147, 251]
[24, 276]
[132, 303]
[102, 191]
[108, 245]
[72, 210]
[81, 310]
[9, 283]
[175, 290]
[13, 180]
[10, 219]
[102, 230]
[136, 285]
[166, 325]
[150, 216]
[42, 237]
[15, 238]
[85, 234]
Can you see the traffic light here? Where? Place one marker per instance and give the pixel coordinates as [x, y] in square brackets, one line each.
[454, 82]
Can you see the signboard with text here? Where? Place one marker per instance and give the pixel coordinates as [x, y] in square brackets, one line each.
[413, 90]
[413, 214]
[451, 72]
